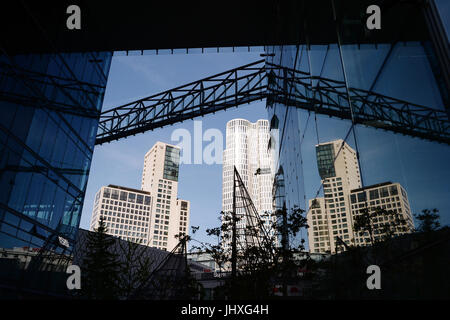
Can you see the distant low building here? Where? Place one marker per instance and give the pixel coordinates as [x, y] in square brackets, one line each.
[126, 213]
[386, 196]
[205, 259]
[163, 266]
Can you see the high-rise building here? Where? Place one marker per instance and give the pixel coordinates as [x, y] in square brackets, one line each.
[170, 215]
[126, 213]
[330, 216]
[247, 150]
[333, 216]
[153, 216]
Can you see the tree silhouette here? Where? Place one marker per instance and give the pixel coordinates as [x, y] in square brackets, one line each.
[262, 262]
[100, 271]
[429, 220]
[370, 221]
[134, 269]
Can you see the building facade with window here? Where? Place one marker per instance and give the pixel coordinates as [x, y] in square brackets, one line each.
[333, 76]
[388, 196]
[246, 149]
[170, 215]
[125, 211]
[49, 114]
[330, 217]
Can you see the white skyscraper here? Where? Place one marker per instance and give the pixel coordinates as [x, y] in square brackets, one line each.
[247, 150]
[330, 216]
[170, 215]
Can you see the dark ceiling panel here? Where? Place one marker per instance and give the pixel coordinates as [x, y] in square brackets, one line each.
[40, 26]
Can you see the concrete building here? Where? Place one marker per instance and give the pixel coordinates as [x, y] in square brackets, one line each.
[333, 215]
[247, 150]
[389, 196]
[152, 216]
[170, 215]
[330, 216]
[125, 211]
[205, 259]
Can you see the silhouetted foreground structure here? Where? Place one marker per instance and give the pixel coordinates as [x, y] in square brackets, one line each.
[413, 266]
[145, 272]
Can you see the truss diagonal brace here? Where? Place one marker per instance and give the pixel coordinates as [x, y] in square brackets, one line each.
[260, 80]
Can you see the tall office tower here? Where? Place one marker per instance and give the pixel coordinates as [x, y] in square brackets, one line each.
[247, 150]
[389, 196]
[126, 213]
[170, 215]
[334, 214]
[330, 217]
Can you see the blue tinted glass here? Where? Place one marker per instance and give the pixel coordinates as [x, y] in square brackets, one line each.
[47, 138]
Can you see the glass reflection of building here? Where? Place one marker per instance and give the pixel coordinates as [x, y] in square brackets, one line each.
[50, 106]
[171, 163]
[403, 65]
[325, 160]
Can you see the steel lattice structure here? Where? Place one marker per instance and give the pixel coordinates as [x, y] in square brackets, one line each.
[331, 97]
[253, 234]
[260, 80]
[218, 92]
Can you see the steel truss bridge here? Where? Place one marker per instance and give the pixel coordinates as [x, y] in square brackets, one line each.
[261, 80]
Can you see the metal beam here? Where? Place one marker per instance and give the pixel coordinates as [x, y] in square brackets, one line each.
[260, 80]
[369, 108]
[209, 95]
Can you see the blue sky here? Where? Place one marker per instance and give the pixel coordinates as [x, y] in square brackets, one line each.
[121, 162]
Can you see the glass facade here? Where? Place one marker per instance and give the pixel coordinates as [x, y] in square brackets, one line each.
[325, 161]
[49, 111]
[343, 69]
[171, 163]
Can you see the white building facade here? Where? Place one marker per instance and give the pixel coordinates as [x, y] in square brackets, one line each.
[126, 213]
[247, 150]
[170, 215]
[388, 196]
[153, 216]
